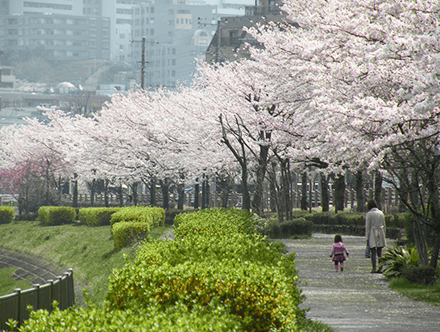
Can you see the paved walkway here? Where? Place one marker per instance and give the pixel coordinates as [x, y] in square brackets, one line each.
[355, 300]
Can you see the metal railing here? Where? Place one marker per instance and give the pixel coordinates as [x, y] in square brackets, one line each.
[14, 306]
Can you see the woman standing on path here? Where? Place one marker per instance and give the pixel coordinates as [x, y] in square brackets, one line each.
[375, 232]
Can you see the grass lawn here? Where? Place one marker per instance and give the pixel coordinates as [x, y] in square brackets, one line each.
[428, 294]
[88, 250]
[8, 284]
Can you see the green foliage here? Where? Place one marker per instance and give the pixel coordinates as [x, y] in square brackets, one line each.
[426, 275]
[215, 221]
[154, 319]
[56, 215]
[155, 216]
[396, 259]
[348, 218]
[96, 216]
[128, 232]
[212, 259]
[419, 292]
[8, 284]
[290, 228]
[249, 290]
[7, 214]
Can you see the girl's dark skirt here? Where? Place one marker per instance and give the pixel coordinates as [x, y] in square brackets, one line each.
[339, 258]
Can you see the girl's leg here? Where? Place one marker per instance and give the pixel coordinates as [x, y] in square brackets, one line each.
[342, 266]
[336, 266]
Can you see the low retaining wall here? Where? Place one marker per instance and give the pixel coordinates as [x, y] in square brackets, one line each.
[391, 233]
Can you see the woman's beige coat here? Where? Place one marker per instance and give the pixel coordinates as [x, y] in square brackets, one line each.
[375, 228]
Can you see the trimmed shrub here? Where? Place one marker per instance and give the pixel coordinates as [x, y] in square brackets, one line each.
[128, 232]
[420, 274]
[56, 215]
[215, 221]
[147, 214]
[7, 214]
[200, 267]
[289, 228]
[154, 319]
[96, 216]
[256, 294]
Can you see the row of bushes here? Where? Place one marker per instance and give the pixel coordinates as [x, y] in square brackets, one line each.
[129, 224]
[397, 220]
[217, 275]
[7, 214]
[216, 258]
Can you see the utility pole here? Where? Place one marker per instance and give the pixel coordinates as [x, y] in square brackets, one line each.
[143, 60]
[143, 64]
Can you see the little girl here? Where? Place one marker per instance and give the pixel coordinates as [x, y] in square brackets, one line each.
[338, 253]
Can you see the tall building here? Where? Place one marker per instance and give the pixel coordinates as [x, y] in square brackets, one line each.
[231, 39]
[174, 40]
[57, 28]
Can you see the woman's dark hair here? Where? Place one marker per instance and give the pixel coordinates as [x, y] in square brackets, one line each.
[338, 238]
[371, 204]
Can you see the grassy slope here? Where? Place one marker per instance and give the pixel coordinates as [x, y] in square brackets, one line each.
[88, 250]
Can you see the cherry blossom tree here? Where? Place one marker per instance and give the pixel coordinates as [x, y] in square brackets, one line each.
[374, 70]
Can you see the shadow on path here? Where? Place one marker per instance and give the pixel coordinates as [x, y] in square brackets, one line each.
[355, 300]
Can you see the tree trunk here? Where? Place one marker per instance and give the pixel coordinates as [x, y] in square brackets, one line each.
[359, 184]
[121, 197]
[378, 189]
[181, 193]
[223, 182]
[134, 189]
[205, 192]
[304, 191]
[75, 191]
[60, 189]
[152, 188]
[285, 189]
[244, 184]
[339, 193]
[273, 193]
[106, 182]
[165, 196]
[433, 202]
[92, 193]
[196, 195]
[325, 199]
[257, 206]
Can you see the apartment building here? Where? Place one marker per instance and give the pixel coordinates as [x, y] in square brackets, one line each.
[57, 27]
[174, 40]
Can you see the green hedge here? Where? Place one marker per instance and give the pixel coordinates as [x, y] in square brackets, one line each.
[128, 232]
[96, 216]
[216, 221]
[217, 262]
[257, 294]
[174, 318]
[7, 214]
[275, 229]
[149, 214]
[56, 215]
[397, 220]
